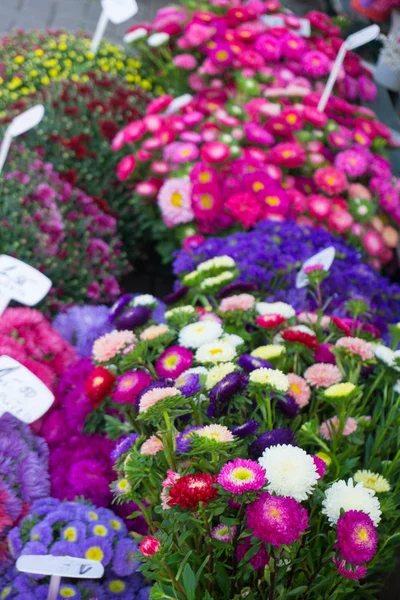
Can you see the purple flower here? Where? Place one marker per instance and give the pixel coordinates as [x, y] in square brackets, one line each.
[245, 429]
[96, 548]
[177, 295]
[14, 542]
[34, 548]
[73, 532]
[223, 391]
[119, 306]
[82, 326]
[133, 317]
[288, 406]
[183, 440]
[42, 533]
[125, 562]
[189, 384]
[66, 549]
[274, 437]
[250, 363]
[123, 445]
[235, 288]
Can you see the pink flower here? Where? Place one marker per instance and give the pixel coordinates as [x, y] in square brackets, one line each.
[173, 362]
[134, 131]
[269, 47]
[174, 202]
[340, 220]
[373, 243]
[245, 207]
[180, 152]
[152, 397]
[125, 167]
[330, 180]
[330, 426]
[129, 385]
[357, 190]
[110, 344]
[299, 390]
[215, 152]
[356, 346]
[171, 478]
[185, 61]
[151, 446]
[222, 55]
[203, 173]
[348, 572]
[319, 206]
[313, 319]
[240, 476]
[315, 64]
[239, 302]
[357, 537]
[288, 154]
[193, 241]
[351, 162]
[323, 375]
[206, 201]
[153, 332]
[197, 34]
[149, 546]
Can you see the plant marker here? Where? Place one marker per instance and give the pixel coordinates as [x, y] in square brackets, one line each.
[116, 11]
[19, 125]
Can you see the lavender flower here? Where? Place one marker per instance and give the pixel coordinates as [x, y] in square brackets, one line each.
[183, 440]
[271, 438]
[82, 325]
[123, 446]
[223, 391]
[250, 363]
[245, 429]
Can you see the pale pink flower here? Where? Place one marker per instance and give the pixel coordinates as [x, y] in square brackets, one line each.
[219, 433]
[153, 332]
[110, 344]
[151, 446]
[170, 479]
[238, 302]
[299, 390]
[312, 319]
[323, 375]
[154, 396]
[356, 346]
[330, 426]
[175, 203]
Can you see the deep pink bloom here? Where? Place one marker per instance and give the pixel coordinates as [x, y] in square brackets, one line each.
[357, 537]
[222, 55]
[129, 385]
[373, 243]
[319, 206]
[173, 362]
[125, 167]
[134, 131]
[269, 47]
[348, 572]
[206, 201]
[340, 220]
[185, 61]
[320, 466]
[315, 64]
[215, 152]
[330, 180]
[259, 560]
[240, 476]
[149, 546]
[245, 207]
[288, 154]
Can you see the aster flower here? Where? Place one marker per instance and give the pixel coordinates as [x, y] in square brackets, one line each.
[190, 490]
[240, 302]
[173, 362]
[124, 561]
[132, 317]
[290, 471]
[174, 202]
[347, 496]
[323, 375]
[259, 560]
[223, 391]
[184, 439]
[223, 533]
[331, 426]
[74, 531]
[270, 321]
[338, 391]
[356, 346]
[188, 383]
[245, 429]
[215, 352]
[217, 433]
[372, 481]
[129, 385]
[123, 445]
[272, 378]
[299, 390]
[276, 308]
[82, 326]
[275, 437]
[276, 520]
[157, 397]
[357, 537]
[197, 334]
[154, 332]
[269, 352]
[249, 363]
[241, 476]
[215, 374]
[99, 384]
[95, 548]
[330, 180]
[349, 572]
[300, 337]
[110, 344]
[151, 446]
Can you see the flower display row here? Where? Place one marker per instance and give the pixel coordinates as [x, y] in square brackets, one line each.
[246, 426]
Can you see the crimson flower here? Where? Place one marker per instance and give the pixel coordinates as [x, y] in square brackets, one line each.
[301, 337]
[99, 384]
[190, 490]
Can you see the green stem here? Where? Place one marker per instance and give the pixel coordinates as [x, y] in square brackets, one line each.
[175, 581]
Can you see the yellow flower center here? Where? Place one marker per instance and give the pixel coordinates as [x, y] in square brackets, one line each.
[363, 534]
[185, 152]
[222, 55]
[293, 43]
[330, 179]
[258, 186]
[116, 586]
[70, 534]
[100, 530]
[115, 524]
[287, 153]
[272, 200]
[215, 351]
[171, 361]
[67, 592]
[98, 380]
[94, 553]
[206, 200]
[295, 388]
[176, 199]
[291, 119]
[6, 592]
[242, 474]
[204, 177]
[93, 516]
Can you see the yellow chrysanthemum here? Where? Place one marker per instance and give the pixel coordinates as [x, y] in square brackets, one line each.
[19, 59]
[340, 390]
[372, 481]
[269, 352]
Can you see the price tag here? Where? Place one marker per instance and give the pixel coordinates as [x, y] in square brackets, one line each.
[118, 11]
[324, 258]
[21, 282]
[22, 393]
[275, 21]
[60, 566]
[178, 103]
[19, 125]
[364, 36]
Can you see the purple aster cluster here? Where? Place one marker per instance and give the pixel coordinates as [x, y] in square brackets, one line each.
[283, 247]
[82, 325]
[276, 437]
[122, 446]
[223, 392]
[184, 441]
[82, 531]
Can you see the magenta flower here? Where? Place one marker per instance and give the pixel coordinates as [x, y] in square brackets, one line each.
[351, 162]
[315, 64]
[330, 180]
[180, 152]
[129, 385]
[185, 61]
[277, 520]
[357, 537]
[125, 167]
[215, 152]
[245, 207]
[348, 572]
[173, 362]
[206, 201]
[269, 47]
[222, 55]
[288, 154]
[258, 135]
[240, 476]
[203, 173]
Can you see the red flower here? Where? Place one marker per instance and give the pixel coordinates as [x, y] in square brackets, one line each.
[270, 321]
[99, 383]
[108, 128]
[301, 337]
[190, 490]
[149, 546]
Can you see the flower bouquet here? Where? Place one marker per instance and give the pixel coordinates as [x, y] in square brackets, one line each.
[31, 60]
[79, 530]
[261, 444]
[61, 231]
[223, 164]
[23, 476]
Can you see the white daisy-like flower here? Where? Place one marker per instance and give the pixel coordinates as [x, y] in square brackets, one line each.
[144, 300]
[157, 39]
[137, 34]
[195, 335]
[233, 339]
[221, 279]
[217, 373]
[271, 377]
[347, 496]
[219, 433]
[276, 308]
[180, 310]
[387, 356]
[218, 262]
[290, 471]
[216, 352]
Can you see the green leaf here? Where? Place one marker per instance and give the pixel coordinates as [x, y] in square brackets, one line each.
[297, 591]
[189, 582]
[183, 565]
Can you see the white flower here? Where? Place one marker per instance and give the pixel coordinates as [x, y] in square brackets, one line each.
[157, 39]
[217, 373]
[271, 377]
[302, 328]
[269, 352]
[387, 356]
[197, 334]
[350, 497]
[233, 339]
[275, 308]
[219, 262]
[180, 310]
[144, 300]
[216, 352]
[218, 280]
[137, 34]
[178, 103]
[290, 471]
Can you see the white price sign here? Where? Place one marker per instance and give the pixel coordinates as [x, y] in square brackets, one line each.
[22, 394]
[21, 282]
[116, 11]
[275, 21]
[19, 125]
[324, 258]
[60, 566]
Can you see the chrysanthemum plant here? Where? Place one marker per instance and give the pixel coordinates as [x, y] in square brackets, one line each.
[262, 448]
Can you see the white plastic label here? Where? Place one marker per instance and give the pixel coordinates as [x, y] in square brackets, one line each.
[178, 103]
[19, 125]
[276, 21]
[60, 566]
[364, 36]
[118, 11]
[324, 258]
[22, 393]
[21, 282]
